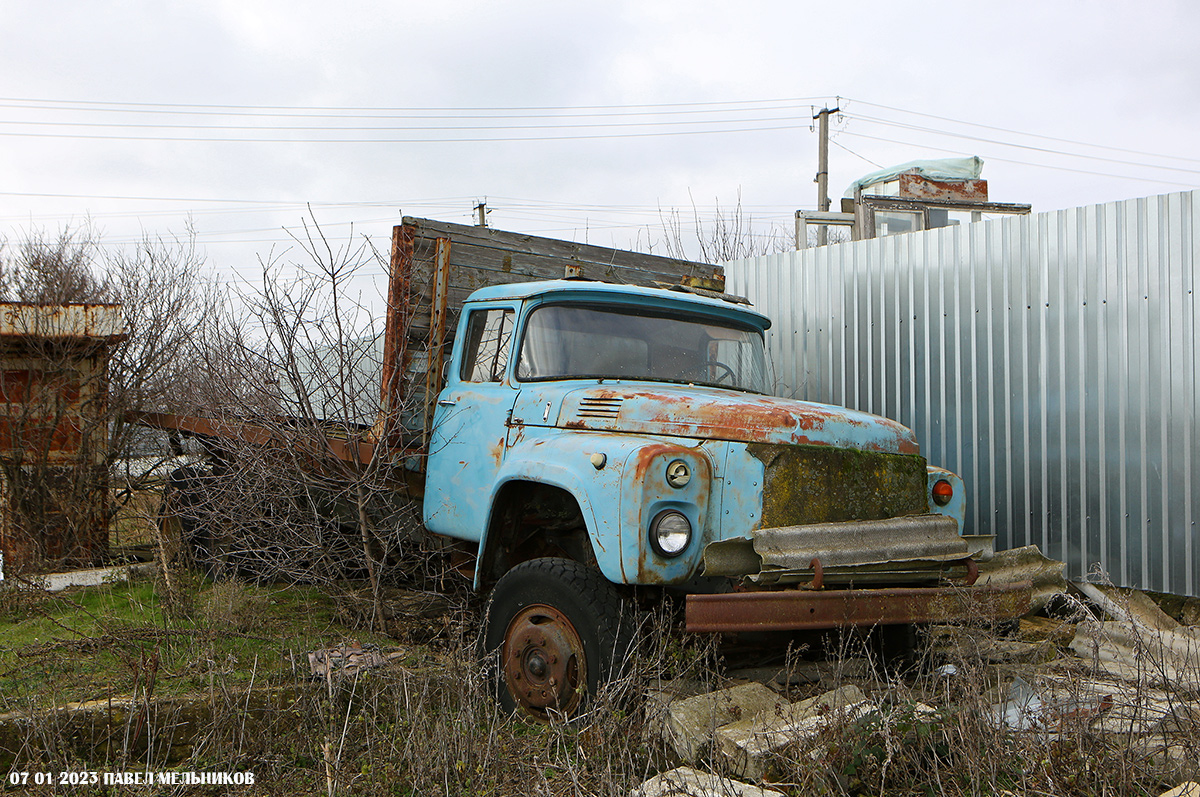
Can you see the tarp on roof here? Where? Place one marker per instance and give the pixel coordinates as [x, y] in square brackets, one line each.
[935, 169]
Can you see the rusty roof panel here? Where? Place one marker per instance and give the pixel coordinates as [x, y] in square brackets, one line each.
[90, 321]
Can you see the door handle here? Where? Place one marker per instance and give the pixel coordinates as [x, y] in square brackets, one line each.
[447, 402]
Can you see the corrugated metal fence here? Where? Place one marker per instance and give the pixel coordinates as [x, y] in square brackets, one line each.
[1049, 359]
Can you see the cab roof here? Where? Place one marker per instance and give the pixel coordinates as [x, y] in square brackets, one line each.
[577, 289]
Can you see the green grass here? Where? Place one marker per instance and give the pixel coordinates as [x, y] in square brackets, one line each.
[105, 642]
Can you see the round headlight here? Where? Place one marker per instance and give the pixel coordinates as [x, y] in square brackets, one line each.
[670, 532]
[678, 474]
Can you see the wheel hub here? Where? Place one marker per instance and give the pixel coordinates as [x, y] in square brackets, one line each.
[544, 663]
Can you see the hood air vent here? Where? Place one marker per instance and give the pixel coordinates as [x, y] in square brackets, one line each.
[599, 407]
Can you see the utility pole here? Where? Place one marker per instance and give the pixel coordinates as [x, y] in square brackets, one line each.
[481, 214]
[822, 180]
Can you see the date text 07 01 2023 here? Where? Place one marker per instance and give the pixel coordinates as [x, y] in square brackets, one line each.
[91, 777]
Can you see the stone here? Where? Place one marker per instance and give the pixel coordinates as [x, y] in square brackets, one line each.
[687, 782]
[748, 745]
[687, 725]
[1189, 789]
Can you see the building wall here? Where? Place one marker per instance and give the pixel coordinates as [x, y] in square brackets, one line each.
[1049, 359]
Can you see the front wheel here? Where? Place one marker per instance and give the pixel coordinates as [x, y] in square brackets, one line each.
[559, 631]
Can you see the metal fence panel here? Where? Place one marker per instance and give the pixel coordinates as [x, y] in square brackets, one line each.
[1049, 359]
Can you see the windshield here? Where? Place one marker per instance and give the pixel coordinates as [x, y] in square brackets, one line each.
[569, 341]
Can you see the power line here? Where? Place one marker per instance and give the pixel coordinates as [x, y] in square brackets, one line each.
[208, 108]
[274, 128]
[855, 154]
[1141, 178]
[1022, 133]
[299, 113]
[477, 140]
[918, 128]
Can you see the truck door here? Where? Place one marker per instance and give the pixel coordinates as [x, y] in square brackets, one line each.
[470, 425]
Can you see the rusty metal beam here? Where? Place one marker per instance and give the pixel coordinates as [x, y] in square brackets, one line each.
[877, 202]
[253, 434]
[795, 610]
[395, 330]
[437, 331]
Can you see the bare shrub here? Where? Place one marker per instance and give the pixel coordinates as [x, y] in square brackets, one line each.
[300, 483]
[728, 235]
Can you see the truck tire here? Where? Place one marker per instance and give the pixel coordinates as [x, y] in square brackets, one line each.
[558, 631]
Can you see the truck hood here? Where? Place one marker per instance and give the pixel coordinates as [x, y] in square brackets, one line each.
[715, 414]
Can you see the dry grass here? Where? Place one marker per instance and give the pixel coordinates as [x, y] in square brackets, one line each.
[426, 724]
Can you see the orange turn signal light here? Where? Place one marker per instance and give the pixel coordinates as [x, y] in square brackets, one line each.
[943, 491]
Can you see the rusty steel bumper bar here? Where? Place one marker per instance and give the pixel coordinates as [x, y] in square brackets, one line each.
[795, 609]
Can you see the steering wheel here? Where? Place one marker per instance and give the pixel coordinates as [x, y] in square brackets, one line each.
[726, 371]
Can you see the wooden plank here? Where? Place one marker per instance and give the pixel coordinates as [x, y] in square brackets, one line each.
[520, 244]
[398, 314]
[437, 332]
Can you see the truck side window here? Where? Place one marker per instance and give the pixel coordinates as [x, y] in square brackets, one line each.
[489, 338]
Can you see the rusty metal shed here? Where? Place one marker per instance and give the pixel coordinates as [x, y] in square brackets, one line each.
[54, 433]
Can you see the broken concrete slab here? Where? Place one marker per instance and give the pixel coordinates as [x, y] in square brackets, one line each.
[1026, 564]
[748, 746]
[687, 725]
[1189, 789]
[687, 782]
[1167, 757]
[90, 577]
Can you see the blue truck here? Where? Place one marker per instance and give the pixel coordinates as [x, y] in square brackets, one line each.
[582, 440]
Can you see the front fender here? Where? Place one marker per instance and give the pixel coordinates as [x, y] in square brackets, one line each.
[617, 499]
[548, 456]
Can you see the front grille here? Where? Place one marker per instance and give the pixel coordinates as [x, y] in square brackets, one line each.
[599, 407]
[823, 484]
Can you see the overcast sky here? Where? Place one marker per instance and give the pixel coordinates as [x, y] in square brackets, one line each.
[580, 120]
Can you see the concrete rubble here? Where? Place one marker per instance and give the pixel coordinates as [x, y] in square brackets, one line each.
[89, 577]
[1124, 670]
[688, 725]
[687, 782]
[747, 746]
[1189, 789]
